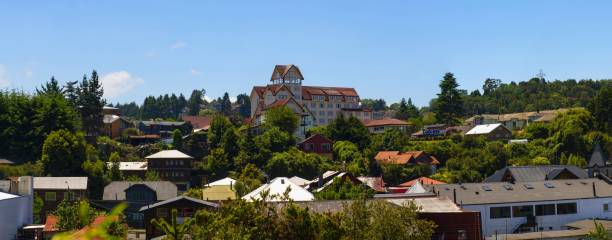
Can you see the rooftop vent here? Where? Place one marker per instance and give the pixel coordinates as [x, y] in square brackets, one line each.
[508, 187]
[486, 188]
[549, 185]
[528, 186]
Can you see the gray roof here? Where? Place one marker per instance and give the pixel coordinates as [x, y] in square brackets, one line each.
[163, 123]
[535, 173]
[116, 190]
[168, 154]
[597, 158]
[6, 161]
[502, 192]
[75, 183]
[210, 204]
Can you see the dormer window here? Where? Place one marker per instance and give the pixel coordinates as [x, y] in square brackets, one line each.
[318, 98]
[282, 96]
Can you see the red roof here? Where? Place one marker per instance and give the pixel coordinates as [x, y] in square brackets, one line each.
[50, 223]
[410, 157]
[198, 122]
[384, 122]
[423, 180]
[308, 91]
[316, 138]
[282, 70]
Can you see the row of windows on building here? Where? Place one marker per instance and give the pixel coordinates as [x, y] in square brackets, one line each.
[314, 105]
[169, 163]
[52, 196]
[184, 212]
[540, 210]
[324, 147]
[335, 98]
[172, 174]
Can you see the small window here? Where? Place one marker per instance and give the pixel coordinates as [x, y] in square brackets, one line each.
[567, 208]
[325, 146]
[499, 212]
[50, 197]
[309, 147]
[162, 212]
[69, 196]
[545, 209]
[606, 207]
[522, 211]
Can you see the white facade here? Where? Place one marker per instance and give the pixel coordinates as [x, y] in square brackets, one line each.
[586, 209]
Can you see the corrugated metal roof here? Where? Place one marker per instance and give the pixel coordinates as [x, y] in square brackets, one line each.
[277, 188]
[483, 129]
[79, 183]
[535, 173]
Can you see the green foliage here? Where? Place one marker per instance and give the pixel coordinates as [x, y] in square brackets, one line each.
[196, 100]
[599, 233]
[601, 110]
[396, 174]
[90, 104]
[172, 229]
[177, 139]
[374, 104]
[449, 104]
[281, 117]
[112, 227]
[406, 110]
[296, 163]
[343, 189]
[348, 129]
[63, 153]
[26, 169]
[73, 215]
[194, 192]
[114, 173]
[152, 176]
[390, 140]
[249, 179]
[37, 206]
[348, 153]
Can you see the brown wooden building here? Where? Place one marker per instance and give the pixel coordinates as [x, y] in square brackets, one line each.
[186, 207]
[173, 166]
[318, 144]
[53, 190]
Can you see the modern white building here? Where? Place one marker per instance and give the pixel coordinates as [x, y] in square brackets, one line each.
[531, 206]
[16, 207]
[315, 105]
[276, 190]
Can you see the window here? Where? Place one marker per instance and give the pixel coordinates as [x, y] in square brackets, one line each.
[162, 212]
[321, 113]
[321, 120]
[330, 113]
[329, 105]
[282, 96]
[545, 209]
[522, 211]
[313, 105]
[499, 212]
[321, 105]
[325, 146]
[606, 207]
[318, 98]
[567, 208]
[308, 146]
[69, 196]
[50, 197]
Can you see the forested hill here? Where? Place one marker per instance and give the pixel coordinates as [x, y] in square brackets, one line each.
[535, 94]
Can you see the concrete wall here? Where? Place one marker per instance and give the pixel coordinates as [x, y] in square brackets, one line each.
[14, 213]
[586, 209]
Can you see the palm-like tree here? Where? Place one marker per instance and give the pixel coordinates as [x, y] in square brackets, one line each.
[173, 230]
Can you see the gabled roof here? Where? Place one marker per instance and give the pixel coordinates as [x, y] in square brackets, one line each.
[316, 137]
[597, 158]
[110, 118]
[169, 154]
[376, 183]
[282, 70]
[535, 173]
[409, 157]
[299, 181]
[179, 198]
[417, 188]
[424, 180]
[277, 188]
[223, 182]
[4, 196]
[384, 122]
[6, 161]
[116, 190]
[72, 183]
[484, 129]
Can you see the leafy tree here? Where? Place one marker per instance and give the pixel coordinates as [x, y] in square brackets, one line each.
[152, 176]
[90, 104]
[348, 129]
[37, 206]
[177, 139]
[74, 215]
[71, 92]
[490, 85]
[449, 105]
[218, 126]
[601, 110]
[281, 117]
[63, 153]
[112, 227]
[226, 105]
[244, 105]
[599, 233]
[194, 192]
[390, 140]
[173, 229]
[114, 172]
[196, 100]
[296, 163]
[374, 104]
[343, 189]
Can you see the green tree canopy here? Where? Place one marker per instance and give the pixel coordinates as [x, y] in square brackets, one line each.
[63, 153]
[449, 104]
[281, 117]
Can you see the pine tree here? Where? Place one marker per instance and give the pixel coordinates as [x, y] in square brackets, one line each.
[449, 105]
[90, 104]
[195, 102]
[226, 105]
[52, 87]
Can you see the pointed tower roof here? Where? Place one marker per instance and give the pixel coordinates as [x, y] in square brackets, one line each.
[417, 188]
[280, 71]
[598, 158]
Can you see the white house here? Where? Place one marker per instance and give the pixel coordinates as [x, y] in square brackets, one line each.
[16, 208]
[276, 190]
[531, 206]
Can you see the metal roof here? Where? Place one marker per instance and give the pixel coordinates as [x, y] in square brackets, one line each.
[223, 182]
[535, 173]
[277, 188]
[79, 183]
[168, 154]
[474, 193]
[116, 190]
[206, 203]
[483, 129]
[130, 166]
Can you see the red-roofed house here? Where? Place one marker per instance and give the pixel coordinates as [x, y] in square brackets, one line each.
[318, 144]
[314, 105]
[422, 180]
[199, 123]
[407, 158]
[380, 125]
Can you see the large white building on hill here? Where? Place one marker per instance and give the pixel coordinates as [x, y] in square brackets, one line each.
[315, 105]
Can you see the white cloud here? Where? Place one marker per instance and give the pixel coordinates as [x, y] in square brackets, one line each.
[195, 72]
[177, 45]
[118, 83]
[4, 81]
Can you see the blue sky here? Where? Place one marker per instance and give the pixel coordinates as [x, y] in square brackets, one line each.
[385, 49]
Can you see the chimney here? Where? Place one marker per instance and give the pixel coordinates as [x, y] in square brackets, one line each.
[594, 190]
[455, 195]
[231, 185]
